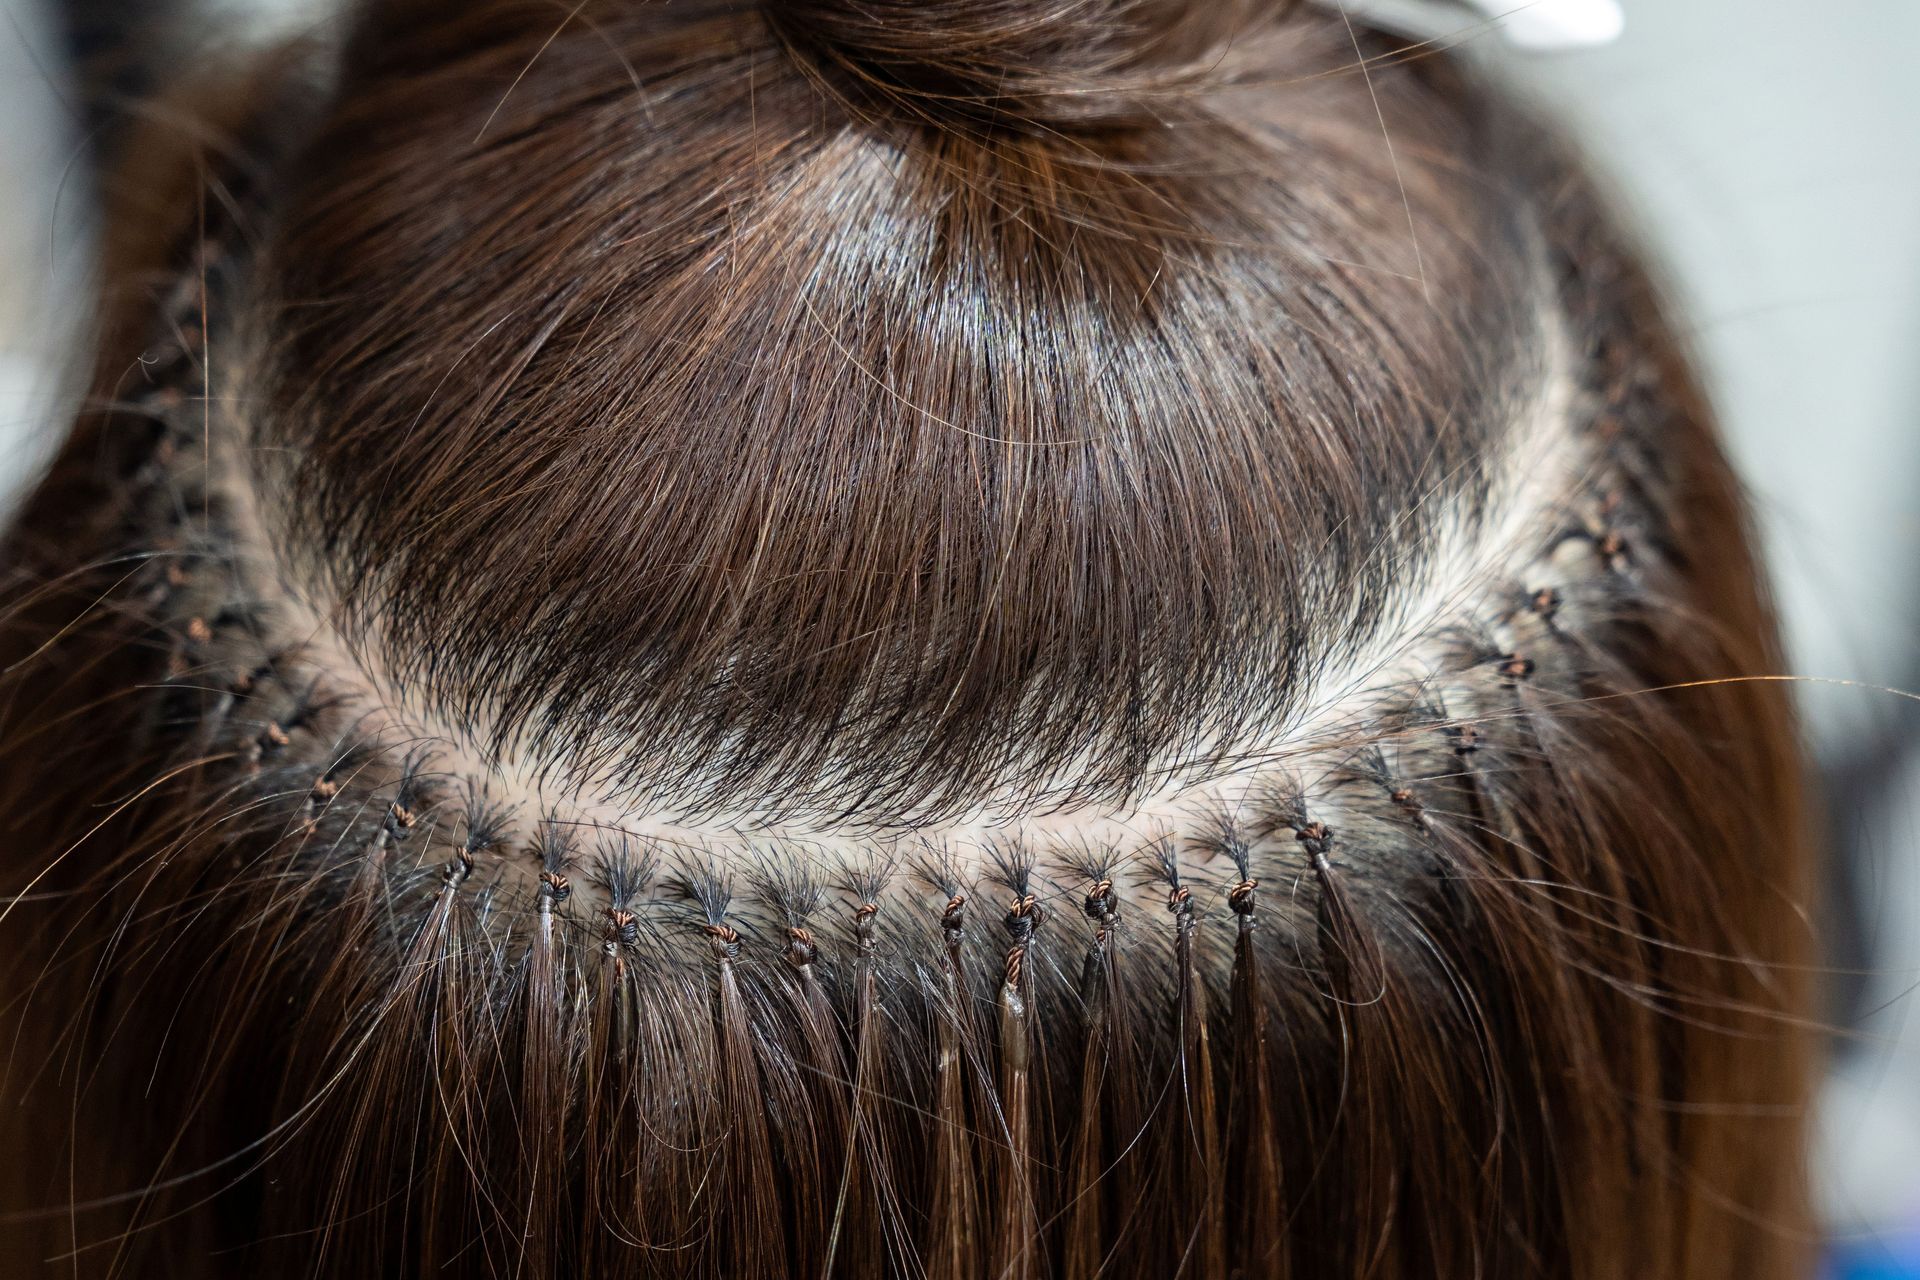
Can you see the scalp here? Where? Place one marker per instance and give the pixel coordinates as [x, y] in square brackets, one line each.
[863, 470]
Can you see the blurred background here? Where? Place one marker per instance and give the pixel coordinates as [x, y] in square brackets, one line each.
[1769, 150]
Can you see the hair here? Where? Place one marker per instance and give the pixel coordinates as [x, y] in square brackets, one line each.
[952, 638]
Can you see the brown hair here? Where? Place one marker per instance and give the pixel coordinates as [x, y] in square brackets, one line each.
[977, 638]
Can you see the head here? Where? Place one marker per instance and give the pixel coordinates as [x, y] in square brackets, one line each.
[982, 638]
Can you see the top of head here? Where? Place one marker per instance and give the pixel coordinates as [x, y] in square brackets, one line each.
[652, 406]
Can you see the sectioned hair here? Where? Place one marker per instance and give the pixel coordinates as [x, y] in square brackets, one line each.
[955, 638]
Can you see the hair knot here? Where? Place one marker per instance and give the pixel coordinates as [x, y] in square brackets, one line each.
[725, 940]
[1035, 63]
[801, 948]
[1515, 667]
[1100, 901]
[1241, 897]
[1023, 917]
[624, 927]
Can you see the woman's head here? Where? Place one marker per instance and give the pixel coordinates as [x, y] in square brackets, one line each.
[961, 638]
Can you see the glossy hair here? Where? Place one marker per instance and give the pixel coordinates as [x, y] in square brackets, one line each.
[970, 638]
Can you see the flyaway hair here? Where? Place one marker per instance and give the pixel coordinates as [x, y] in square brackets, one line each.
[970, 639]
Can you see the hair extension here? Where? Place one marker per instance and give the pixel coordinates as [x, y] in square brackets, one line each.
[867, 1193]
[752, 1218]
[956, 1229]
[542, 1092]
[449, 985]
[1198, 1169]
[1017, 1249]
[1105, 1174]
[791, 883]
[673, 1124]
[623, 873]
[1253, 1142]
